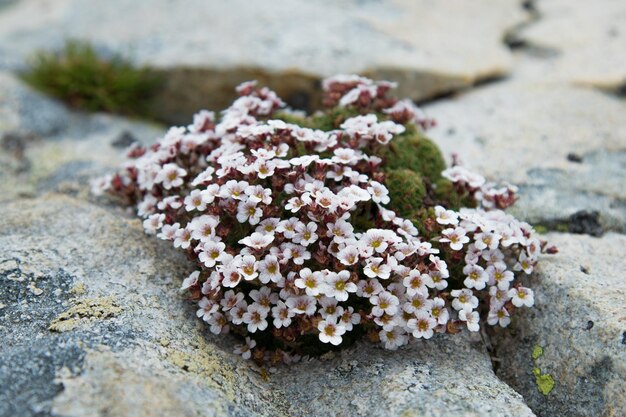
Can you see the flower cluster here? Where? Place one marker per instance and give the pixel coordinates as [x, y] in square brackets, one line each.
[294, 232]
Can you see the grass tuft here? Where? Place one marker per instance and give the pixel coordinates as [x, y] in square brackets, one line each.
[83, 79]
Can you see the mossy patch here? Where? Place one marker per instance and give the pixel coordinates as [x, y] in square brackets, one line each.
[82, 78]
[406, 190]
[86, 309]
[413, 151]
[545, 383]
[537, 352]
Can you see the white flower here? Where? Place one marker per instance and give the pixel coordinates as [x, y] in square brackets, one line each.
[329, 308]
[379, 192]
[268, 226]
[330, 331]
[499, 316]
[439, 311]
[349, 318]
[476, 277]
[346, 156]
[374, 240]
[191, 280]
[393, 338]
[499, 275]
[264, 297]
[282, 315]
[207, 308]
[245, 350]
[197, 200]
[234, 189]
[231, 299]
[298, 254]
[368, 288]
[302, 304]
[257, 240]
[269, 269]
[375, 268]
[218, 323]
[435, 280]
[486, 240]
[340, 230]
[348, 255]
[458, 174]
[231, 276]
[422, 325]
[288, 227]
[247, 211]
[204, 176]
[183, 238]
[258, 194]
[416, 302]
[210, 253]
[255, 318]
[522, 296]
[168, 231]
[338, 285]
[310, 282]
[464, 300]
[415, 283]
[236, 313]
[264, 168]
[444, 216]
[305, 234]
[247, 266]
[384, 302]
[456, 237]
[171, 176]
[470, 318]
[203, 227]
[524, 263]
[153, 223]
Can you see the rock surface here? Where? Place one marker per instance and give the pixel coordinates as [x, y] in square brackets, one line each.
[579, 323]
[431, 48]
[94, 302]
[588, 39]
[45, 147]
[564, 146]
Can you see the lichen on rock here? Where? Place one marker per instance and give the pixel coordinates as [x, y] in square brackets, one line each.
[84, 310]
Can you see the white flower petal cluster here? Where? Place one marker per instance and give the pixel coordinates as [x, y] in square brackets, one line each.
[273, 214]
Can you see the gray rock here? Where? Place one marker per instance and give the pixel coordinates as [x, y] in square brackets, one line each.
[588, 37]
[576, 329]
[522, 131]
[431, 48]
[95, 304]
[45, 147]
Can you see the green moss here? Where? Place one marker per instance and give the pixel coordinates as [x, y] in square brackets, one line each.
[294, 119]
[537, 352]
[545, 383]
[332, 119]
[83, 79]
[415, 152]
[406, 190]
[328, 120]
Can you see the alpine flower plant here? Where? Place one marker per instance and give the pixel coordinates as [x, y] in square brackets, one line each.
[309, 232]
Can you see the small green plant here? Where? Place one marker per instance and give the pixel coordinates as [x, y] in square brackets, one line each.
[81, 77]
[545, 382]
